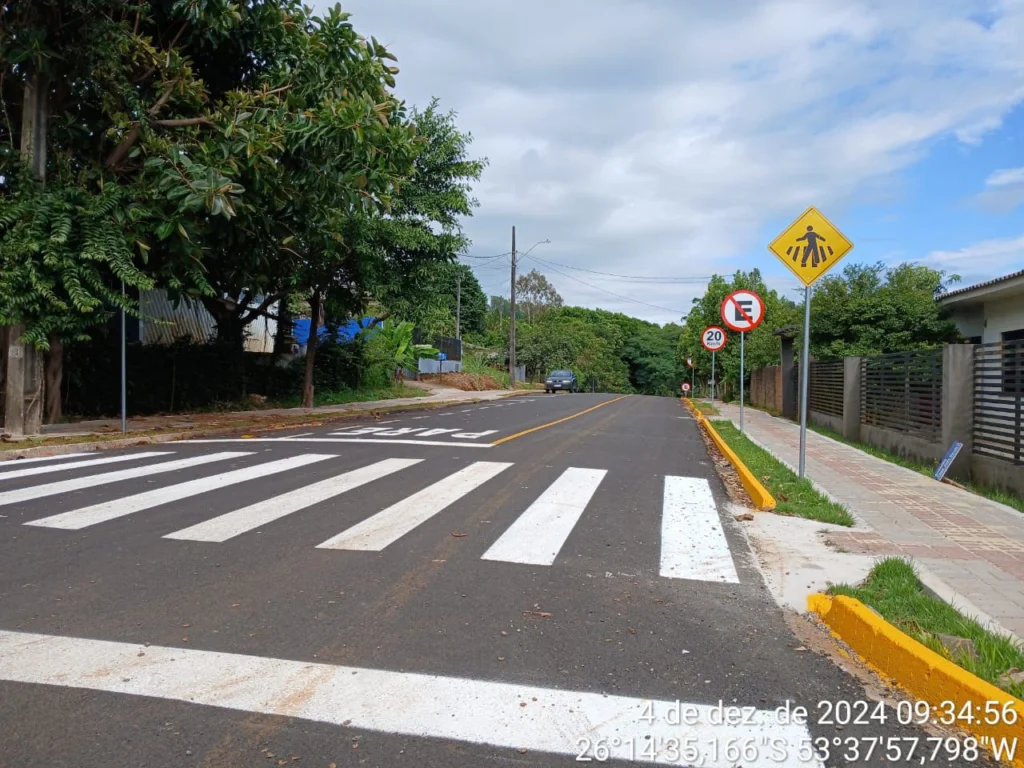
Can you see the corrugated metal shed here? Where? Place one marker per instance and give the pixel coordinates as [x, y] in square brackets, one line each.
[163, 323]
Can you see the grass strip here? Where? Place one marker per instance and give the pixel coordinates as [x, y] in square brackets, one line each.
[893, 589]
[708, 409]
[922, 467]
[793, 496]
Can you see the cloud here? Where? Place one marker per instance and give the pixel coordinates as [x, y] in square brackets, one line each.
[651, 137]
[980, 261]
[1004, 190]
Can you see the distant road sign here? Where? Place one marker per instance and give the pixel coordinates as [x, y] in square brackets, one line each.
[713, 338]
[742, 311]
[810, 246]
[686, 386]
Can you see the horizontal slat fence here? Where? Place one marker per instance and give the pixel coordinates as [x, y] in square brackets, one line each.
[902, 391]
[826, 387]
[998, 400]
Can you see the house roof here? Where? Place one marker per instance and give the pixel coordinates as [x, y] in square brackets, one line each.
[986, 287]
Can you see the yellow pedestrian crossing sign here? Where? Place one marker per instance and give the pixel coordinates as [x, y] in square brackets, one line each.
[810, 246]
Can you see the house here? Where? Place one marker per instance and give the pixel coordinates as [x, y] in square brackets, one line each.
[990, 311]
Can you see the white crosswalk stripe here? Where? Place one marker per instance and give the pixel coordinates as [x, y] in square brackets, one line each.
[693, 544]
[538, 534]
[77, 519]
[50, 468]
[36, 459]
[249, 518]
[78, 483]
[386, 527]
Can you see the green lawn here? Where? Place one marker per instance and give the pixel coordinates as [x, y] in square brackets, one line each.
[893, 589]
[793, 496]
[342, 396]
[924, 468]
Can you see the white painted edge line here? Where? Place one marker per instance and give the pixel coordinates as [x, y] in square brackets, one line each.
[391, 524]
[538, 535]
[18, 462]
[76, 519]
[499, 714]
[240, 521]
[693, 543]
[78, 483]
[301, 434]
[96, 462]
[341, 440]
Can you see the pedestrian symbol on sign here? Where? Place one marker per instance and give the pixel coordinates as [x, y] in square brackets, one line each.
[812, 250]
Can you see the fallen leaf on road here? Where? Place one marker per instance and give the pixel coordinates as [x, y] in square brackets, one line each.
[538, 614]
[745, 516]
[521, 750]
[632, 631]
[459, 535]
[800, 648]
[236, 605]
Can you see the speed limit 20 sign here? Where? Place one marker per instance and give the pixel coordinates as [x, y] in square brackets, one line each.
[742, 311]
[713, 338]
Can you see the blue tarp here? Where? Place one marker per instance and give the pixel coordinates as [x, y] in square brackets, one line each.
[346, 332]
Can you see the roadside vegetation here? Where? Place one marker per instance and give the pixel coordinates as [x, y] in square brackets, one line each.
[708, 409]
[893, 589]
[794, 497]
[924, 468]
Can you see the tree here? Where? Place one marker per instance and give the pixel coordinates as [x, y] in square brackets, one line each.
[409, 254]
[762, 347]
[535, 294]
[874, 309]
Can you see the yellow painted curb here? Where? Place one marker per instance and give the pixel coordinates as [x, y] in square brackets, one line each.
[758, 493]
[923, 673]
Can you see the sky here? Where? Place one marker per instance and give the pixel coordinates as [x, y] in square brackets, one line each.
[677, 138]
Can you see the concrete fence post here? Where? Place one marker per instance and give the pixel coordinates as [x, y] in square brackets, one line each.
[958, 405]
[851, 398]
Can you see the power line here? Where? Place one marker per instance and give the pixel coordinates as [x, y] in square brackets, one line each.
[610, 293]
[487, 258]
[694, 279]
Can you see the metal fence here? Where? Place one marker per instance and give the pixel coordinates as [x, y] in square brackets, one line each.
[826, 387]
[998, 400]
[902, 391]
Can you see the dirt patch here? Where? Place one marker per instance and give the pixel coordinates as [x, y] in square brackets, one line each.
[467, 382]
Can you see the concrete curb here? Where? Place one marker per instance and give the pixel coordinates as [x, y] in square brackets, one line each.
[921, 672]
[305, 420]
[758, 493]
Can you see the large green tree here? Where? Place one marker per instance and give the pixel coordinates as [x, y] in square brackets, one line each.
[189, 143]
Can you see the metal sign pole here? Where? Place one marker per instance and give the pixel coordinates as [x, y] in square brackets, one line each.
[124, 367]
[693, 380]
[742, 335]
[805, 370]
[712, 377]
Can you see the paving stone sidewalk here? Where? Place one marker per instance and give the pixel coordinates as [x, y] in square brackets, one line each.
[973, 545]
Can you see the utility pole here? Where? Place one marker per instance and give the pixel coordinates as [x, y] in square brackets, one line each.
[458, 307]
[512, 318]
[23, 411]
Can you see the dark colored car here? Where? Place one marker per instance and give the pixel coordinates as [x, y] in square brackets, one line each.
[563, 379]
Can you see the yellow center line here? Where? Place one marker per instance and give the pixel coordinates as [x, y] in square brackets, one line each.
[559, 421]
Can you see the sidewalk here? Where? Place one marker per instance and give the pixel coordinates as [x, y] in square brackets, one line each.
[174, 426]
[972, 546]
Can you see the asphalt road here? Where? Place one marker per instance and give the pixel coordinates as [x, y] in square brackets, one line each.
[430, 589]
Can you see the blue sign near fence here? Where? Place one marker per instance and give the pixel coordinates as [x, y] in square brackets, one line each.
[947, 460]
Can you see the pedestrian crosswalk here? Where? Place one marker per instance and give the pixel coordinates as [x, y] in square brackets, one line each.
[693, 541]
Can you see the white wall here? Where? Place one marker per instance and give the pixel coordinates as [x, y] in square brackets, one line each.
[1003, 315]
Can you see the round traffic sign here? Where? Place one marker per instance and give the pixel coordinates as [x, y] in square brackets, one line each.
[713, 338]
[742, 311]
[686, 386]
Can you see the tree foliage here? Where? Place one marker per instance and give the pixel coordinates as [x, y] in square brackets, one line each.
[534, 295]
